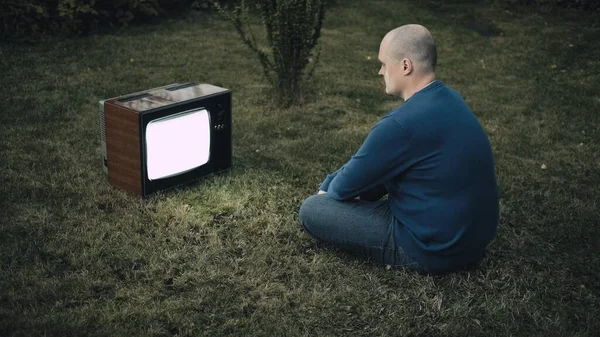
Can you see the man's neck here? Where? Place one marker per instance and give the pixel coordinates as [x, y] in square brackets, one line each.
[421, 84]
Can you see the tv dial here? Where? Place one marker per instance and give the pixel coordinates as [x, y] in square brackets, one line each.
[221, 116]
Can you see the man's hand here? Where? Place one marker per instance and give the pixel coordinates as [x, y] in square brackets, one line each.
[323, 192]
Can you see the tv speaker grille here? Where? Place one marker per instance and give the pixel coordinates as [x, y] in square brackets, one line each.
[102, 124]
[103, 137]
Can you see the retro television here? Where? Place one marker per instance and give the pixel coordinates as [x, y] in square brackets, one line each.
[164, 137]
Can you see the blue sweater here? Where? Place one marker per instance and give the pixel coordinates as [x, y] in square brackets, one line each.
[434, 159]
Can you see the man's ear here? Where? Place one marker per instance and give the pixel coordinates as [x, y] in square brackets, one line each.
[407, 66]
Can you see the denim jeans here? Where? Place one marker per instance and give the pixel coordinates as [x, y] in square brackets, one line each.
[364, 228]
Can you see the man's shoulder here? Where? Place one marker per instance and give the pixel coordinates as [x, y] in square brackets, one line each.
[423, 104]
[408, 113]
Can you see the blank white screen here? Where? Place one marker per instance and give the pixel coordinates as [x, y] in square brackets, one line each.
[177, 144]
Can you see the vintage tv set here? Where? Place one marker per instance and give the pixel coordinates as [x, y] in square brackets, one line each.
[164, 137]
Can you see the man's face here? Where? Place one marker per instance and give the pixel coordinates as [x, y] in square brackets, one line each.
[388, 70]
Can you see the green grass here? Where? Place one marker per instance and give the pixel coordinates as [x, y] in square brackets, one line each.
[226, 256]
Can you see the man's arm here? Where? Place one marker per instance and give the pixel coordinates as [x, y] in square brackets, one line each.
[325, 184]
[383, 155]
[374, 193]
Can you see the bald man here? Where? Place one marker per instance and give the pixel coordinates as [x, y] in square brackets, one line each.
[431, 157]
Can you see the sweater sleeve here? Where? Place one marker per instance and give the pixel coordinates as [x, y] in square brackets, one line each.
[383, 155]
[325, 184]
[374, 194]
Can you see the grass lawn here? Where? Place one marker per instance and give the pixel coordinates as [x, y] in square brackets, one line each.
[226, 256]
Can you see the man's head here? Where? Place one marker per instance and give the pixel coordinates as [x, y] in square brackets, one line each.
[408, 57]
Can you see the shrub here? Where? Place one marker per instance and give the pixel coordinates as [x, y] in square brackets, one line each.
[35, 16]
[83, 15]
[579, 4]
[25, 17]
[292, 28]
[21, 16]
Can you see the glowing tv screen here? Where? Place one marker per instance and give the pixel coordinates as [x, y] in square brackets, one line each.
[167, 136]
[177, 144]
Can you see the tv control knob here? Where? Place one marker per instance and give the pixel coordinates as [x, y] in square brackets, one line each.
[220, 115]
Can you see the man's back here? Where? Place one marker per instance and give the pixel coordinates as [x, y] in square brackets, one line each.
[446, 200]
